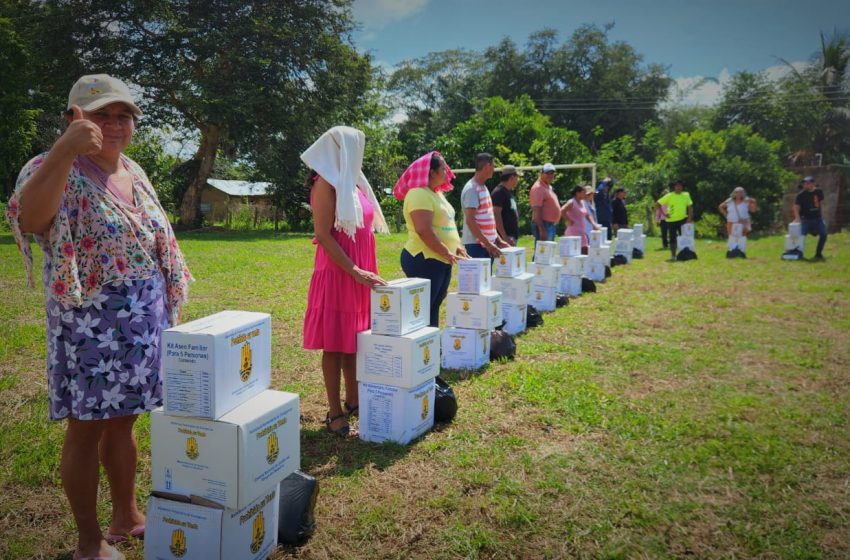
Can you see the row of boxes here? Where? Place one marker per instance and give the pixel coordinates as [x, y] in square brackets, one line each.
[685, 240]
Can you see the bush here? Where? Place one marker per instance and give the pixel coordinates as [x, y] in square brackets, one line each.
[710, 226]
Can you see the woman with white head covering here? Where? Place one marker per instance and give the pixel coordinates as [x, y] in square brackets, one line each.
[737, 209]
[345, 267]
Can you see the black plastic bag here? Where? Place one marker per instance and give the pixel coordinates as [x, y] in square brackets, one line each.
[445, 402]
[607, 271]
[736, 254]
[502, 345]
[588, 285]
[296, 522]
[686, 255]
[561, 300]
[637, 253]
[792, 255]
[532, 317]
[619, 260]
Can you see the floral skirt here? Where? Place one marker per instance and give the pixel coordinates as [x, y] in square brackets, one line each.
[103, 358]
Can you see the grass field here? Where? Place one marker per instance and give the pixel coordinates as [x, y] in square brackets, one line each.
[696, 409]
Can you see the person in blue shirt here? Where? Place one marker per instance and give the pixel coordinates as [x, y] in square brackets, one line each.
[602, 201]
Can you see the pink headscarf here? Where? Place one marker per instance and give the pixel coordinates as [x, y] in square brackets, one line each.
[416, 175]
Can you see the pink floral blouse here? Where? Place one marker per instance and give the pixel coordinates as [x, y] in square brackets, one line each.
[97, 239]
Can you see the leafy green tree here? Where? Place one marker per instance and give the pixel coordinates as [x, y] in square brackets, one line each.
[257, 79]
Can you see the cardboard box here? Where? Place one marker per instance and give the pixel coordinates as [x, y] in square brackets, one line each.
[473, 276]
[185, 530]
[404, 361]
[737, 230]
[797, 242]
[739, 242]
[599, 254]
[638, 230]
[598, 238]
[546, 274]
[575, 265]
[516, 289]
[688, 229]
[231, 460]
[545, 252]
[510, 263]
[571, 285]
[795, 229]
[639, 242]
[683, 241]
[595, 271]
[390, 413]
[212, 365]
[402, 306]
[626, 234]
[604, 231]
[543, 298]
[569, 246]
[474, 311]
[623, 247]
[465, 348]
[516, 317]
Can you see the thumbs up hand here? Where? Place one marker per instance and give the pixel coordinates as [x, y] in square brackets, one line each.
[82, 136]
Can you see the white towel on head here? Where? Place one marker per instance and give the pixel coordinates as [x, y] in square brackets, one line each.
[338, 157]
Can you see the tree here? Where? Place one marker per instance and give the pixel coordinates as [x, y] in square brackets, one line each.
[248, 77]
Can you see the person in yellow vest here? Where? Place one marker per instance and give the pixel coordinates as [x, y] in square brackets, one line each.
[680, 210]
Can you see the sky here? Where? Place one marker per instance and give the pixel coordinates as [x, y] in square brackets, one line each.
[693, 39]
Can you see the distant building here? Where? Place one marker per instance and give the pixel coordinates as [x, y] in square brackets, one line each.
[222, 199]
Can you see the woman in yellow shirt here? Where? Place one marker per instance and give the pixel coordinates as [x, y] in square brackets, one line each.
[433, 243]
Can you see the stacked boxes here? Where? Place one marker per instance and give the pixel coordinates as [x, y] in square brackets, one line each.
[574, 268]
[638, 240]
[546, 269]
[686, 239]
[794, 242]
[623, 244]
[398, 359]
[737, 239]
[221, 444]
[515, 285]
[470, 317]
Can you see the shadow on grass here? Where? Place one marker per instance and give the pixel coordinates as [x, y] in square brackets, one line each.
[346, 457]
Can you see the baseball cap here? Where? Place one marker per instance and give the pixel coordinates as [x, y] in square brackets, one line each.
[508, 170]
[548, 168]
[808, 179]
[93, 91]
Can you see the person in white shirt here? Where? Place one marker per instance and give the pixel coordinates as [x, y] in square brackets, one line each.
[737, 209]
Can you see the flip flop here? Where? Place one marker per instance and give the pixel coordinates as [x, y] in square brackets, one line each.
[113, 555]
[137, 532]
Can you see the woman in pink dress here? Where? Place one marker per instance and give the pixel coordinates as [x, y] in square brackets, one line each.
[345, 268]
[577, 217]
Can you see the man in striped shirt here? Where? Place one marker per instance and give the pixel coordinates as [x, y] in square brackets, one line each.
[479, 224]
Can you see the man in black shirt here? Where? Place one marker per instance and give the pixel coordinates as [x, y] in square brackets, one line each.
[619, 216]
[504, 204]
[808, 211]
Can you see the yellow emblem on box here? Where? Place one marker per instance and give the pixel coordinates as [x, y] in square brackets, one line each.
[416, 305]
[258, 533]
[426, 354]
[456, 344]
[502, 259]
[538, 295]
[385, 303]
[192, 448]
[425, 407]
[178, 543]
[246, 364]
[272, 448]
[495, 309]
[518, 261]
[466, 306]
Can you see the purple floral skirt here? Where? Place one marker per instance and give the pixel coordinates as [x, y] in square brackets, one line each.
[103, 357]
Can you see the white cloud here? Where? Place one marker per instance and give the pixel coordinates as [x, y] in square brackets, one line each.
[708, 90]
[377, 14]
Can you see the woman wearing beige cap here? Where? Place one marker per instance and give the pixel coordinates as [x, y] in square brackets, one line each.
[114, 279]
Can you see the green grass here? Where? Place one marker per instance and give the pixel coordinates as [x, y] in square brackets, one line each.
[696, 409]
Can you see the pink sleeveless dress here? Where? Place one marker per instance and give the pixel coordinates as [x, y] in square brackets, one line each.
[337, 306]
[577, 218]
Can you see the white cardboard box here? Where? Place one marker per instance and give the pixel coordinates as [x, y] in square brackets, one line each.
[543, 298]
[625, 233]
[604, 231]
[599, 254]
[182, 530]
[474, 311]
[473, 276]
[683, 241]
[739, 242]
[795, 230]
[510, 263]
[516, 317]
[546, 274]
[214, 364]
[795, 242]
[545, 252]
[737, 230]
[569, 246]
[390, 413]
[575, 265]
[402, 306]
[623, 247]
[639, 242]
[404, 361]
[571, 285]
[637, 229]
[595, 271]
[688, 229]
[597, 238]
[231, 460]
[516, 289]
[465, 348]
